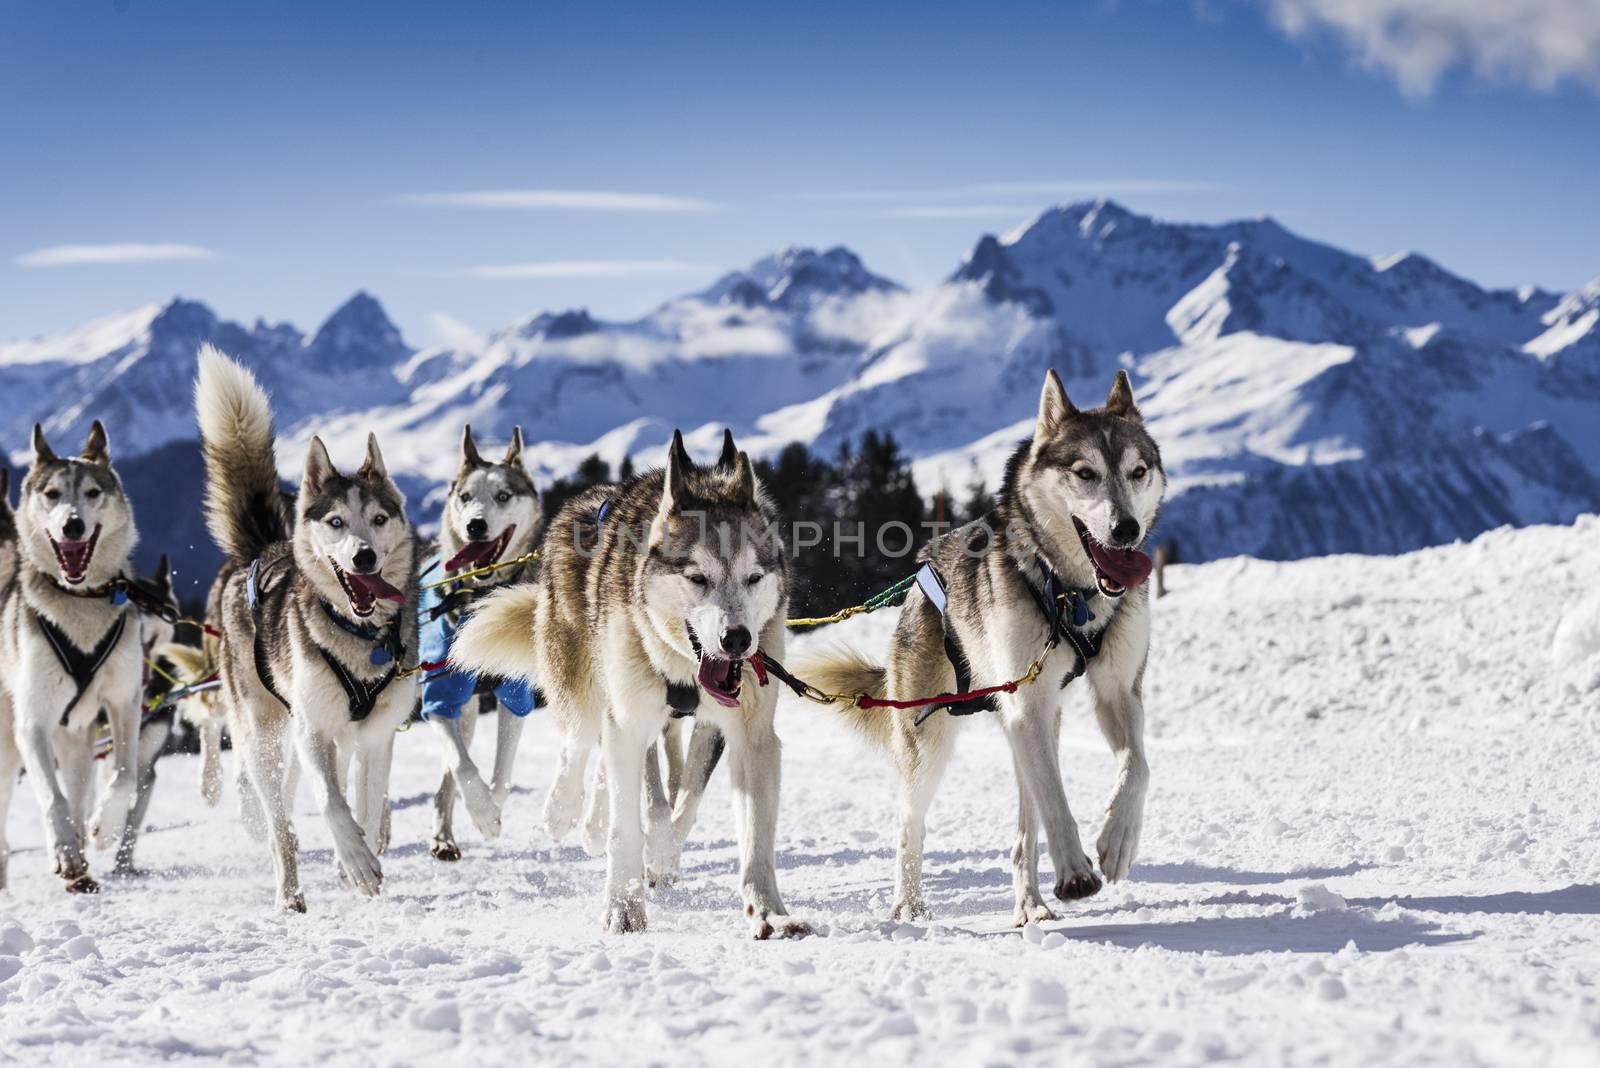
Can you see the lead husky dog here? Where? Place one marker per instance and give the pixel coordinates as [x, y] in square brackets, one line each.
[652, 595]
[1077, 501]
[492, 514]
[70, 647]
[316, 610]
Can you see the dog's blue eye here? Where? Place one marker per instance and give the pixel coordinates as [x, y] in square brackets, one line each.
[335, 522]
[698, 580]
[502, 496]
[465, 497]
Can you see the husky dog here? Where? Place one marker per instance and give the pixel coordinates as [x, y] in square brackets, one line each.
[69, 643]
[1059, 555]
[155, 728]
[492, 514]
[651, 597]
[316, 607]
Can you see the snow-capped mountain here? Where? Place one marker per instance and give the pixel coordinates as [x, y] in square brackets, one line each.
[1307, 399]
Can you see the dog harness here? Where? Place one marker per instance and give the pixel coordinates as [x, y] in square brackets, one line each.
[1065, 610]
[81, 666]
[388, 648]
[446, 692]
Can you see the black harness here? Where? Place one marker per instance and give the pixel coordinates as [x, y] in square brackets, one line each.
[81, 666]
[388, 648]
[1065, 609]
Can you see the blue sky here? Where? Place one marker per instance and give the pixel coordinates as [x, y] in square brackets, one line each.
[270, 159]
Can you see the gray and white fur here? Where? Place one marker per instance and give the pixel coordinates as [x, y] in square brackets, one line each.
[493, 503]
[335, 550]
[1084, 475]
[74, 536]
[662, 598]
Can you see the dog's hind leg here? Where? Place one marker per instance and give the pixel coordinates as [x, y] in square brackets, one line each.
[1030, 907]
[455, 735]
[443, 844]
[76, 764]
[152, 739]
[10, 767]
[508, 737]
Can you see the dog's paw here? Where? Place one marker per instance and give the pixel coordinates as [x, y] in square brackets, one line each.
[359, 867]
[1074, 887]
[68, 861]
[596, 829]
[82, 884]
[624, 915]
[776, 925]
[910, 910]
[1032, 910]
[444, 849]
[294, 902]
[501, 794]
[1118, 845]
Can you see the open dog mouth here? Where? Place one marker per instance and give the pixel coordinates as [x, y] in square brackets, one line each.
[476, 554]
[1115, 570]
[365, 591]
[74, 556]
[719, 675]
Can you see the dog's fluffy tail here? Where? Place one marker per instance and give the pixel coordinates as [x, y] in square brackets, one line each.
[840, 669]
[190, 660]
[497, 638]
[246, 508]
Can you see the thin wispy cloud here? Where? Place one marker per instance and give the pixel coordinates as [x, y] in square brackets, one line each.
[958, 211]
[1539, 43]
[78, 255]
[583, 269]
[562, 200]
[1058, 188]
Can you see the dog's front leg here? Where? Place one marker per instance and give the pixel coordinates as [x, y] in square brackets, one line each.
[376, 757]
[660, 852]
[508, 737]
[1030, 906]
[318, 753]
[10, 765]
[116, 802]
[460, 766]
[1120, 711]
[706, 746]
[622, 750]
[210, 760]
[1031, 721]
[62, 841]
[755, 764]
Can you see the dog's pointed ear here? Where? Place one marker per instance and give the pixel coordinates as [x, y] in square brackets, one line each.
[373, 468]
[744, 478]
[1054, 407]
[469, 448]
[730, 453]
[514, 450]
[675, 487]
[97, 450]
[319, 468]
[42, 452]
[163, 575]
[1120, 402]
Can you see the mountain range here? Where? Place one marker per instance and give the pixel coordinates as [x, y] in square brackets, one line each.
[1307, 400]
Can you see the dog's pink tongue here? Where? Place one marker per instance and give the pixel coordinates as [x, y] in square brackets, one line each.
[472, 554]
[717, 677]
[74, 556]
[1126, 567]
[375, 587]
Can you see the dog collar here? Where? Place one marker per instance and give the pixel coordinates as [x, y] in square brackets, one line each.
[389, 647]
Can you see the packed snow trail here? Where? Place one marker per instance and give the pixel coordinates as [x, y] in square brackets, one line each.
[1373, 837]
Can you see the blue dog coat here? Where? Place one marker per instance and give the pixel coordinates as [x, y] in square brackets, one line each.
[445, 693]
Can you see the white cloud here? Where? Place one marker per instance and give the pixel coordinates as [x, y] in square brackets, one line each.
[1056, 188]
[584, 269]
[1541, 43]
[453, 333]
[961, 211]
[74, 255]
[562, 200]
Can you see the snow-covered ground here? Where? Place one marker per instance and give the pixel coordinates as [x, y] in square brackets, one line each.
[1373, 837]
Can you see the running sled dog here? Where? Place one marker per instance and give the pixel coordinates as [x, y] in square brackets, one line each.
[651, 598]
[491, 514]
[69, 648]
[1056, 565]
[316, 603]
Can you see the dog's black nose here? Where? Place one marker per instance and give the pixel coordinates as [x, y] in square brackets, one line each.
[477, 528]
[736, 641]
[365, 560]
[1126, 532]
[72, 529]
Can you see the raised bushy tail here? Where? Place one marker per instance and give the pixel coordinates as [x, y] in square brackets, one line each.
[246, 508]
[497, 638]
[840, 669]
